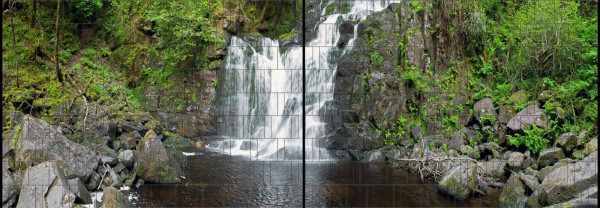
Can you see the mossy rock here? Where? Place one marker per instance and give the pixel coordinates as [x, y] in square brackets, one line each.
[459, 181]
[111, 197]
[513, 193]
[518, 97]
[154, 163]
[177, 141]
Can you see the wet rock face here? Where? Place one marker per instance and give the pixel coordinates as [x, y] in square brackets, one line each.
[192, 120]
[154, 163]
[353, 136]
[374, 156]
[290, 106]
[374, 91]
[45, 185]
[459, 181]
[40, 141]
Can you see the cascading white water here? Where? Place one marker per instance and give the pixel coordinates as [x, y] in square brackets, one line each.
[263, 112]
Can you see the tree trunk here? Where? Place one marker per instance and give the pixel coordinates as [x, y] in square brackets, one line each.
[58, 73]
[12, 24]
[33, 15]
[262, 14]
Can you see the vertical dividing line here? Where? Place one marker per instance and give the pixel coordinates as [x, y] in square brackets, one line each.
[303, 103]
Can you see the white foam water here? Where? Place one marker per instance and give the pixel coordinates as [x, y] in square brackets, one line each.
[262, 110]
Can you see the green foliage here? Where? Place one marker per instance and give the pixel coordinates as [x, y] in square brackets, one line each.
[376, 59]
[342, 7]
[472, 143]
[416, 5]
[487, 119]
[416, 78]
[501, 94]
[534, 139]
[550, 40]
[365, 82]
[184, 27]
[288, 36]
[88, 8]
[215, 83]
[401, 129]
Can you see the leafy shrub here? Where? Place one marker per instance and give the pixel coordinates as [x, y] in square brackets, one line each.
[88, 8]
[534, 139]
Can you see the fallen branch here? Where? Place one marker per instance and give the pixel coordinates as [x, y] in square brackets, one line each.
[102, 180]
[431, 164]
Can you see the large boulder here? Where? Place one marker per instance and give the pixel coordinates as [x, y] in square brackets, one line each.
[154, 163]
[106, 154]
[45, 185]
[567, 181]
[127, 157]
[550, 156]
[80, 191]
[518, 97]
[132, 126]
[568, 141]
[10, 188]
[531, 181]
[397, 154]
[127, 140]
[482, 108]
[105, 129]
[111, 197]
[93, 182]
[7, 142]
[506, 113]
[515, 160]
[532, 115]
[416, 132]
[113, 179]
[590, 147]
[493, 168]
[588, 202]
[457, 139]
[513, 193]
[374, 156]
[39, 141]
[459, 181]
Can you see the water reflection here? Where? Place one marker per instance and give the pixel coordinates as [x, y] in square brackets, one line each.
[216, 180]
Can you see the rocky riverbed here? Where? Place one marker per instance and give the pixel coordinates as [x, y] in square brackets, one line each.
[43, 166]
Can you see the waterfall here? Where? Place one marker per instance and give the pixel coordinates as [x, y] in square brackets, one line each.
[262, 98]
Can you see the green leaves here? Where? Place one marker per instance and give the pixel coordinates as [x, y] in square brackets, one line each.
[88, 8]
[376, 59]
[534, 139]
[548, 41]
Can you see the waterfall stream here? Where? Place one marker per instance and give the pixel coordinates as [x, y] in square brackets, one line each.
[262, 102]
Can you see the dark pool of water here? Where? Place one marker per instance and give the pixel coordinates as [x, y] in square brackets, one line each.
[215, 180]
